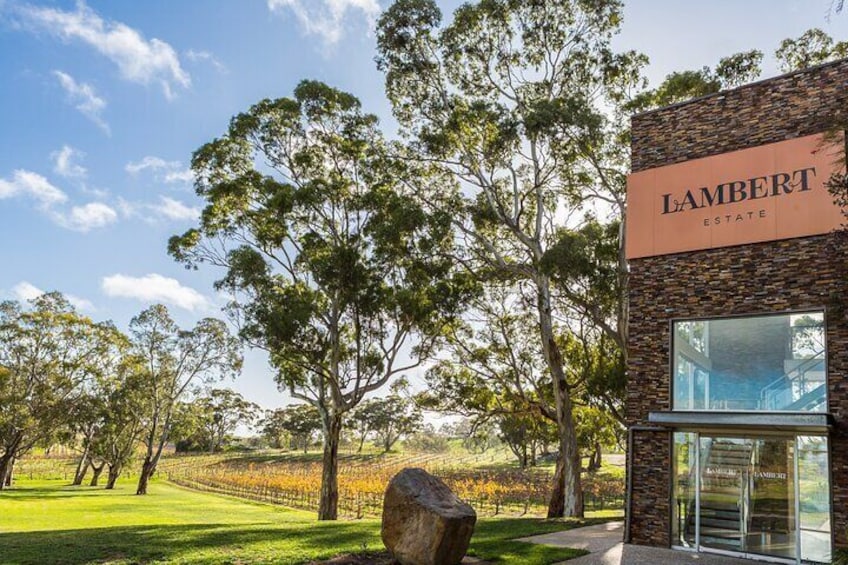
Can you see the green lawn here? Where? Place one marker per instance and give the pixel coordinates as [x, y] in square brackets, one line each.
[48, 522]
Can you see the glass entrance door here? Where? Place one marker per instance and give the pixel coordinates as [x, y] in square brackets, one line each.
[753, 496]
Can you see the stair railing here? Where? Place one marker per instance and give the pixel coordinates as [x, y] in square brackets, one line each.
[796, 378]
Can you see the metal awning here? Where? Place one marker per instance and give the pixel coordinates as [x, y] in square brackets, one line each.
[802, 422]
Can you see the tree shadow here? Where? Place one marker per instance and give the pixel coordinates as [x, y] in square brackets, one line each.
[53, 492]
[140, 544]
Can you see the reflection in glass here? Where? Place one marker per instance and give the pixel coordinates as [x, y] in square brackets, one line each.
[683, 521]
[754, 496]
[814, 495]
[766, 363]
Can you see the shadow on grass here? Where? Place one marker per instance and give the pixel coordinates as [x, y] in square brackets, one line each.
[203, 543]
[54, 492]
[259, 542]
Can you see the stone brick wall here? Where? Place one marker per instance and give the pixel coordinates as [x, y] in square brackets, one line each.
[796, 274]
[785, 107]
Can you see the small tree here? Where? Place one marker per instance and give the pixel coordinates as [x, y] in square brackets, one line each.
[223, 410]
[126, 402]
[389, 418]
[86, 419]
[525, 434]
[598, 431]
[187, 428]
[175, 361]
[299, 423]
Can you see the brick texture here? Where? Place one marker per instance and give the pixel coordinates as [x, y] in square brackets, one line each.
[796, 274]
[794, 105]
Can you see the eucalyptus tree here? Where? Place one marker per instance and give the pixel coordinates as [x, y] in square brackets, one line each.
[126, 403]
[89, 413]
[297, 424]
[222, 411]
[174, 363]
[521, 102]
[679, 86]
[813, 47]
[388, 418]
[335, 271]
[85, 420]
[48, 352]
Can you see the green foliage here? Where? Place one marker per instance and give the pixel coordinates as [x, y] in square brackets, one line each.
[521, 106]
[125, 399]
[811, 48]
[732, 71]
[222, 410]
[175, 363]
[526, 434]
[389, 418]
[333, 268]
[49, 357]
[297, 423]
[427, 441]
[331, 262]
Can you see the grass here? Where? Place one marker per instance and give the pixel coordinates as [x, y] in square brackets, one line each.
[48, 522]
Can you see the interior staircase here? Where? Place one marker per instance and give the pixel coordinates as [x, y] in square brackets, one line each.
[724, 495]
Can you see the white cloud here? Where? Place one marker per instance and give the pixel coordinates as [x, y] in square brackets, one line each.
[87, 217]
[167, 208]
[152, 163]
[326, 18]
[85, 99]
[171, 172]
[27, 183]
[64, 162]
[137, 59]
[128, 209]
[182, 176]
[154, 288]
[205, 56]
[25, 290]
[176, 210]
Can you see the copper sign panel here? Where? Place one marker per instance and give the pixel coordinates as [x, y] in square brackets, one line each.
[765, 193]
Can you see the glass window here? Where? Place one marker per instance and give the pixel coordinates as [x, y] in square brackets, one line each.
[768, 363]
[683, 504]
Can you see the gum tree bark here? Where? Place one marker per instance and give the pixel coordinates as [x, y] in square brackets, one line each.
[97, 470]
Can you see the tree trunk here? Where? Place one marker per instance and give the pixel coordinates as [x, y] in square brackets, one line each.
[361, 443]
[96, 476]
[114, 473]
[595, 458]
[328, 506]
[566, 496]
[6, 462]
[82, 468]
[147, 469]
[10, 471]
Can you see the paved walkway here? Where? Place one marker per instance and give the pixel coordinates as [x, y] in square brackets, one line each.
[603, 542]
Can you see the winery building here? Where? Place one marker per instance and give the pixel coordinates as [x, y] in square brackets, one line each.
[737, 399]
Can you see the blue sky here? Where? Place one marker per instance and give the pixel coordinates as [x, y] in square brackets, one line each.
[103, 103]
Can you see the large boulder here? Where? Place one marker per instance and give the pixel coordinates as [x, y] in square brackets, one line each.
[424, 523]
